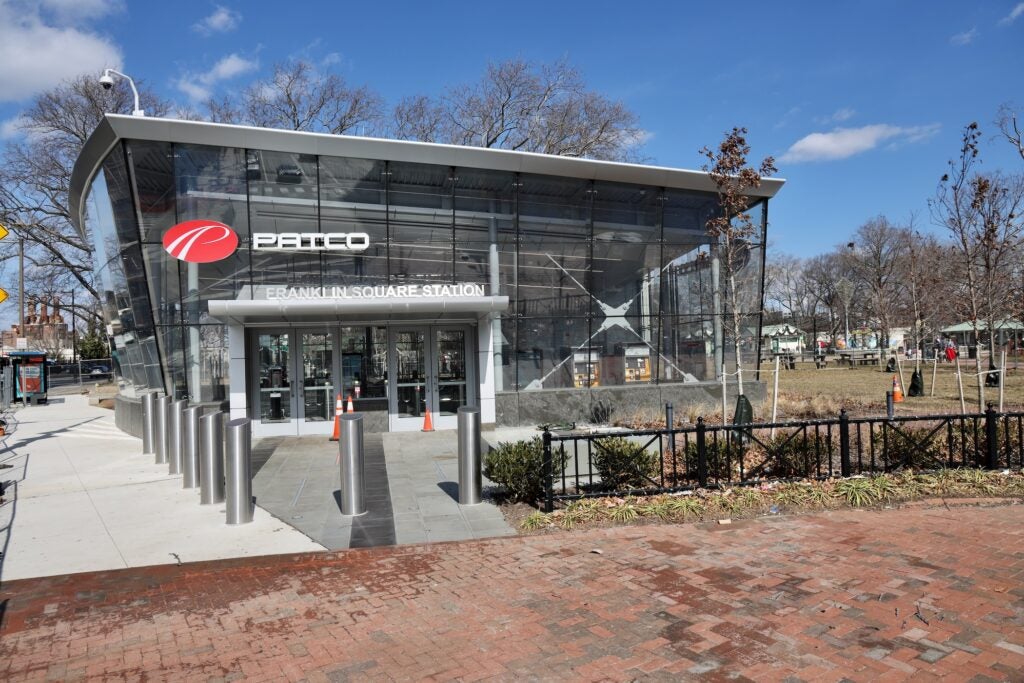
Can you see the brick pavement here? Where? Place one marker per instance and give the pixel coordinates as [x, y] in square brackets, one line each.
[921, 594]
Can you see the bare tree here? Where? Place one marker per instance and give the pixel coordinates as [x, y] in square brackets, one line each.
[1009, 128]
[876, 263]
[981, 213]
[36, 175]
[822, 275]
[732, 226]
[925, 275]
[298, 97]
[522, 106]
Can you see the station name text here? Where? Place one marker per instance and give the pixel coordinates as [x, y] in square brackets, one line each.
[376, 291]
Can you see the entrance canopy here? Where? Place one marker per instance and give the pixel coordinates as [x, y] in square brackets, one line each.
[312, 304]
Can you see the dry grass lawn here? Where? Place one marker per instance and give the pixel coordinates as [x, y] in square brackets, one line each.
[809, 392]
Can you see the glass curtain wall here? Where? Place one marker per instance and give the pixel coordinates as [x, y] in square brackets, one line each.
[609, 283]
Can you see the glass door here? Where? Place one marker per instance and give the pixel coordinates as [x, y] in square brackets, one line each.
[433, 367]
[317, 372]
[274, 400]
[451, 366]
[410, 366]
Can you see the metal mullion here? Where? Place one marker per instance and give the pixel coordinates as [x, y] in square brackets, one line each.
[516, 185]
[662, 281]
[760, 312]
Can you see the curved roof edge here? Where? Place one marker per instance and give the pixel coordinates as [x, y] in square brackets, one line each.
[116, 127]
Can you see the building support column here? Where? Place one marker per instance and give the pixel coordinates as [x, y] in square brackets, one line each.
[485, 369]
[237, 396]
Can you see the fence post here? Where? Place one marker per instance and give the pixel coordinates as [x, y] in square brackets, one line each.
[844, 443]
[991, 438]
[549, 483]
[702, 455]
[670, 423]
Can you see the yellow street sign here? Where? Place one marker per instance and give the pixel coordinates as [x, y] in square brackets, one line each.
[3, 292]
[4, 232]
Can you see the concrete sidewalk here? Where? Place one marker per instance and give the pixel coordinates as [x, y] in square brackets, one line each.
[83, 498]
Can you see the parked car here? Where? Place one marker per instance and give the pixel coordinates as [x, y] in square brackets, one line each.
[289, 173]
[99, 370]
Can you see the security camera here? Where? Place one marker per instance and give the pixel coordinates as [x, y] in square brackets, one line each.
[106, 81]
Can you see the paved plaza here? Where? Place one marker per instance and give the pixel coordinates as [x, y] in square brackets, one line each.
[82, 497]
[922, 593]
[411, 490]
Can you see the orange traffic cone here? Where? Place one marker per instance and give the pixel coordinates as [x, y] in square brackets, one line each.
[428, 423]
[897, 395]
[350, 408]
[337, 419]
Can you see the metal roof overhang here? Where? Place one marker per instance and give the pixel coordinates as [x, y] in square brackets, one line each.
[301, 311]
[115, 127]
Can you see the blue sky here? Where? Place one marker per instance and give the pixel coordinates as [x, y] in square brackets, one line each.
[861, 103]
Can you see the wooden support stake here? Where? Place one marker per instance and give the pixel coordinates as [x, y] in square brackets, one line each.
[775, 396]
[960, 385]
[935, 368]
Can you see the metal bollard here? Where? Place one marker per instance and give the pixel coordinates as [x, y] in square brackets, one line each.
[190, 449]
[469, 456]
[175, 436]
[353, 485]
[239, 476]
[148, 422]
[163, 413]
[211, 459]
[889, 408]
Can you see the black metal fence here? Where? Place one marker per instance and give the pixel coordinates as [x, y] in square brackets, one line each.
[578, 465]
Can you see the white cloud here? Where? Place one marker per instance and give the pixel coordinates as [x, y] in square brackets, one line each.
[842, 143]
[838, 116]
[38, 53]
[965, 38]
[71, 11]
[199, 86]
[221, 21]
[1017, 11]
[12, 128]
[844, 114]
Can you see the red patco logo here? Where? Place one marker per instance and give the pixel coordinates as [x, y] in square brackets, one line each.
[202, 241]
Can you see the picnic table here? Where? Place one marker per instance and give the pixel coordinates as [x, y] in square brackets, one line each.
[860, 357]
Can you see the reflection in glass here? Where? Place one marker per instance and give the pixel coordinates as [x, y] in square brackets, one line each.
[451, 371]
[364, 366]
[317, 385]
[275, 386]
[411, 365]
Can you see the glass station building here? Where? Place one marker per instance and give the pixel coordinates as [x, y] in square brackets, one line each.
[404, 276]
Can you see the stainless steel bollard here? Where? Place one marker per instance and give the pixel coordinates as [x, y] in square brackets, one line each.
[353, 485]
[148, 422]
[175, 436]
[469, 456]
[239, 476]
[163, 414]
[211, 459]
[190, 448]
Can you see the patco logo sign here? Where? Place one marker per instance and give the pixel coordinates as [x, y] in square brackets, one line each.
[201, 241]
[206, 241]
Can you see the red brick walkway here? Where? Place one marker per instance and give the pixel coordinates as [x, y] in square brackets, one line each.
[893, 595]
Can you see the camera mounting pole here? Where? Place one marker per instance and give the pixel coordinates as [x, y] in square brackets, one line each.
[107, 82]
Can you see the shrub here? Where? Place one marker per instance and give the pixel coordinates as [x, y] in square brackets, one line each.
[798, 456]
[623, 464]
[893, 447]
[519, 468]
[722, 456]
